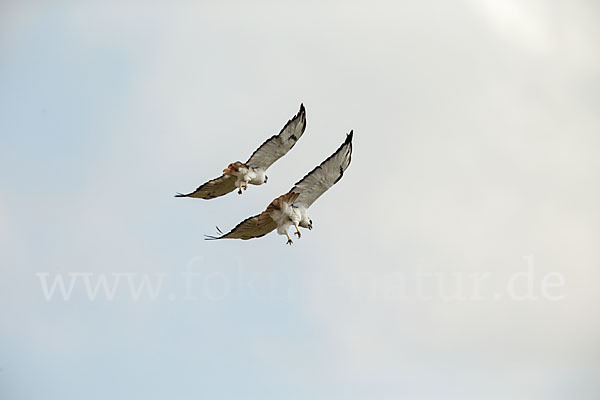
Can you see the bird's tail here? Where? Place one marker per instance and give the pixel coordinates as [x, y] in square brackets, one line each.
[210, 237]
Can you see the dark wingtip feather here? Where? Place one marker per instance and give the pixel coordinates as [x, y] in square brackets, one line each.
[180, 194]
[302, 108]
[349, 136]
[218, 230]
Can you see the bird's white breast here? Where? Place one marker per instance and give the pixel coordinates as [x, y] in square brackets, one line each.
[286, 217]
[303, 212]
[256, 176]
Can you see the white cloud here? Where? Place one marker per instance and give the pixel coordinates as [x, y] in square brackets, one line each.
[524, 23]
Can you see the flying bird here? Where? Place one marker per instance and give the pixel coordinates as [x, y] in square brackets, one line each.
[291, 209]
[239, 175]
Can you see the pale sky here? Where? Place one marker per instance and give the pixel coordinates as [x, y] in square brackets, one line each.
[475, 157]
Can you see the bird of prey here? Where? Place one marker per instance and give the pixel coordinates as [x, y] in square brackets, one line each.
[239, 175]
[292, 207]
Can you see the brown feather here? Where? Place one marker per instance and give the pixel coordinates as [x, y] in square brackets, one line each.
[278, 204]
[263, 219]
[234, 167]
[214, 188]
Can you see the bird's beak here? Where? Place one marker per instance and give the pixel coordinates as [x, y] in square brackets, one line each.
[310, 227]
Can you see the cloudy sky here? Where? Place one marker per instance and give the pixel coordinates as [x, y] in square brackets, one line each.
[458, 257]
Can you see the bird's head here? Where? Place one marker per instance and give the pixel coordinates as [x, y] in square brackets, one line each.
[307, 225]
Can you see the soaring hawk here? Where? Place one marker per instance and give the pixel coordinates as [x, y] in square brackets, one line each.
[239, 175]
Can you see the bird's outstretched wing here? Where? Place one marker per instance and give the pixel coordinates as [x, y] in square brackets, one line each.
[213, 188]
[278, 145]
[325, 175]
[250, 228]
